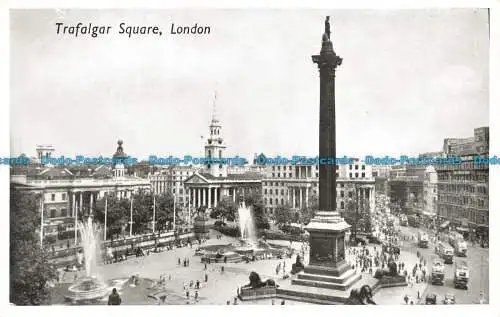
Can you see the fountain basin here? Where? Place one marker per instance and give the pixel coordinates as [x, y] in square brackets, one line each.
[87, 290]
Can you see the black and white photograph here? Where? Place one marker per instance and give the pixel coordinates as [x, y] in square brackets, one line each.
[249, 156]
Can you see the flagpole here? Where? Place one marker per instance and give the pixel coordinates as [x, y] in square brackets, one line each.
[41, 224]
[131, 208]
[154, 212]
[105, 216]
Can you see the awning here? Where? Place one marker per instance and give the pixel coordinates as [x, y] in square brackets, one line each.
[444, 224]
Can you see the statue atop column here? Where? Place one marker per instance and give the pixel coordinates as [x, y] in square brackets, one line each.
[327, 27]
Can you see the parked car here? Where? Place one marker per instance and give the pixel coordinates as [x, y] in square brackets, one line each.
[449, 299]
[431, 299]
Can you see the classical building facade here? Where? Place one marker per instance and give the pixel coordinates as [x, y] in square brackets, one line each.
[69, 191]
[296, 185]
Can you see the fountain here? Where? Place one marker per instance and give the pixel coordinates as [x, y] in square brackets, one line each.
[246, 248]
[89, 288]
[247, 225]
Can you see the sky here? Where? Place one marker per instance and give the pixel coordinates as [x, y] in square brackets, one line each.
[409, 79]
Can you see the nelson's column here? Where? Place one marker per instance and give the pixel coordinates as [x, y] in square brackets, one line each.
[327, 267]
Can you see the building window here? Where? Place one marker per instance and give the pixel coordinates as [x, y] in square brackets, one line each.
[356, 174]
[350, 167]
[273, 174]
[276, 201]
[272, 168]
[282, 201]
[342, 194]
[270, 201]
[282, 192]
[276, 191]
[265, 201]
[290, 175]
[220, 153]
[350, 175]
[64, 212]
[220, 165]
[356, 167]
[337, 175]
[341, 205]
[362, 167]
[208, 165]
[265, 191]
[279, 174]
[63, 196]
[53, 197]
[363, 175]
[53, 213]
[350, 194]
[279, 168]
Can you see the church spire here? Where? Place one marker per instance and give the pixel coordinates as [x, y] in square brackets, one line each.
[214, 109]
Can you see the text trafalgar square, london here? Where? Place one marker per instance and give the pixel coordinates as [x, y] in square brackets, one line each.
[129, 30]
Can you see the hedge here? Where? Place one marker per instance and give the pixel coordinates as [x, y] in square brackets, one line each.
[231, 231]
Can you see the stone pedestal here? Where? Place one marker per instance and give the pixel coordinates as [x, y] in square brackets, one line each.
[327, 266]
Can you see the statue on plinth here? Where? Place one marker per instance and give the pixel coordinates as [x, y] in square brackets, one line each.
[298, 265]
[362, 296]
[256, 282]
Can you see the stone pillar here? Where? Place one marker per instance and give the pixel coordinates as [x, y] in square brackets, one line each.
[81, 202]
[307, 196]
[293, 197]
[203, 197]
[209, 197]
[189, 198]
[234, 195]
[91, 209]
[215, 197]
[198, 201]
[300, 197]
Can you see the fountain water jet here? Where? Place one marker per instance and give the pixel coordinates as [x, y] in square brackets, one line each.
[89, 288]
[247, 225]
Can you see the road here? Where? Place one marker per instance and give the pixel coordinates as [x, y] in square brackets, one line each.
[477, 260]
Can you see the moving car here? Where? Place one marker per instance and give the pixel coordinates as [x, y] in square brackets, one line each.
[449, 299]
[458, 243]
[431, 299]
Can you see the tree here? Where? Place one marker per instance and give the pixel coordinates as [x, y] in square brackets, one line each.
[226, 209]
[307, 213]
[165, 209]
[118, 213]
[283, 216]
[30, 269]
[255, 201]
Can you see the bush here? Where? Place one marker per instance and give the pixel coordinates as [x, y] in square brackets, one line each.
[278, 235]
[231, 231]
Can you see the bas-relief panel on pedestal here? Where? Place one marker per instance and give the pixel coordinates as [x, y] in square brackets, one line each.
[327, 250]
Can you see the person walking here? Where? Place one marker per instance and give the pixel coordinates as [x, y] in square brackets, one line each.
[114, 298]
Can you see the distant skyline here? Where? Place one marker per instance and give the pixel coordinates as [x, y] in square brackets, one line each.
[409, 79]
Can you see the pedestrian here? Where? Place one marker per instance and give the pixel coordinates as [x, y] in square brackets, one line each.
[197, 284]
[196, 295]
[187, 294]
[205, 266]
[114, 298]
[206, 277]
[406, 299]
[235, 301]
[283, 302]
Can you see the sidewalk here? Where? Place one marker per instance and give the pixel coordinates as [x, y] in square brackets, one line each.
[395, 295]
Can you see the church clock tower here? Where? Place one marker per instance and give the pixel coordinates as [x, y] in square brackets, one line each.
[215, 147]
